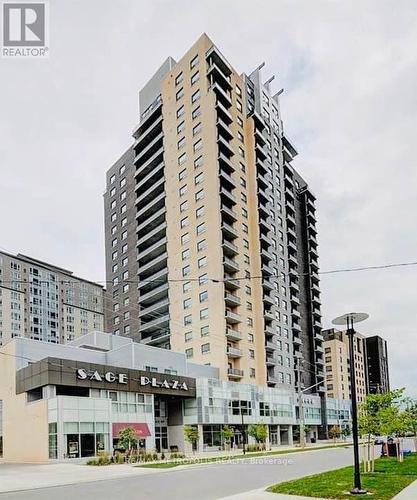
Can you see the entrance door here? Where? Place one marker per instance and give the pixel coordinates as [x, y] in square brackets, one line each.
[87, 445]
[273, 435]
[161, 438]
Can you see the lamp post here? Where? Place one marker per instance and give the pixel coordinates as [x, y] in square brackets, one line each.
[349, 320]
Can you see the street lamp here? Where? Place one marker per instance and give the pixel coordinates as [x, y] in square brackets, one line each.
[349, 320]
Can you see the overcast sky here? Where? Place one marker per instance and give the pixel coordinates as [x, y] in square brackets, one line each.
[349, 70]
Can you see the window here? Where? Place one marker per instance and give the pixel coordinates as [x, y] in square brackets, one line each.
[181, 143]
[179, 78]
[197, 129]
[182, 190]
[239, 121]
[201, 228]
[123, 209]
[126, 288]
[246, 259]
[179, 94]
[188, 336]
[113, 204]
[204, 331]
[182, 159]
[250, 338]
[198, 145]
[243, 197]
[123, 222]
[189, 352]
[196, 112]
[203, 279]
[186, 270]
[243, 182]
[238, 90]
[241, 152]
[245, 228]
[124, 235]
[112, 191]
[123, 182]
[199, 195]
[188, 320]
[205, 348]
[184, 206]
[187, 303]
[199, 212]
[195, 96]
[186, 287]
[180, 111]
[112, 179]
[203, 296]
[239, 105]
[198, 162]
[185, 254]
[240, 137]
[113, 217]
[185, 238]
[252, 372]
[201, 245]
[251, 353]
[180, 127]
[194, 62]
[184, 222]
[202, 262]
[195, 77]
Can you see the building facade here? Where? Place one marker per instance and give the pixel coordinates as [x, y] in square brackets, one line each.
[377, 365]
[43, 302]
[69, 401]
[336, 356]
[210, 232]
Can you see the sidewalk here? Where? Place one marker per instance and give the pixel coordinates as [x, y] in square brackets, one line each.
[409, 493]
[264, 495]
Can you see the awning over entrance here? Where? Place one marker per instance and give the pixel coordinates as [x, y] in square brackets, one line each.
[141, 430]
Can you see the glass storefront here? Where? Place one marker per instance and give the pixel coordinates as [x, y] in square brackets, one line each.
[85, 439]
[53, 440]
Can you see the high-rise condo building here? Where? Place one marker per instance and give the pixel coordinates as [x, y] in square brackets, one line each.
[377, 364]
[44, 302]
[211, 242]
[337, 359]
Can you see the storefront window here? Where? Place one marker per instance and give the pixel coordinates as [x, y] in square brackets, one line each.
[212, 435]
[53, 440]
[86, 439]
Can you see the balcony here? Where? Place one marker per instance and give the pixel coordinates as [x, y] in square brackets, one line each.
[149, 133]
[230, 248]
[234, 373]
[230, 265]
[270, 361]
[229, 231]
[231, 299]
[271, 346]
[295, 313]
[218, 75]
[155, 309]
[230, 282]
[225, 162]
[229, 212]
[156, 324]
[269, 331]
[233, 334]
[226, 192]
[157, 339]
[224, 147]
[147, 152]
[224, 113]
[234, 352]
[224, 130]
[295, 300]
[146, 181]
[297, 340]
[222, 96]
[153, 295]
[232, 317]
[152, 251]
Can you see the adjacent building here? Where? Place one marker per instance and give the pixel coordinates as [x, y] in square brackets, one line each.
[336, 357]
[211, 245]
[44, 302]
[69, 401]
[377, 365]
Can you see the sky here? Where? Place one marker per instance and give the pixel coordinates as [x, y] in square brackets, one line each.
[349, 73]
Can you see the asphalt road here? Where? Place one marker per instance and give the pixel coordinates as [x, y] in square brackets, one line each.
[205, 482]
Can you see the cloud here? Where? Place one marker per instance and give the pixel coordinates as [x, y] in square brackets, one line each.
[349, 73]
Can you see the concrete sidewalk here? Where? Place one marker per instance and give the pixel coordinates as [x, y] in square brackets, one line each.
[264, 495]
[18, 477]
[409, 493]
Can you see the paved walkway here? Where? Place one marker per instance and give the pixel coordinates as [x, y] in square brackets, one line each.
[264, 495]
[409, 493]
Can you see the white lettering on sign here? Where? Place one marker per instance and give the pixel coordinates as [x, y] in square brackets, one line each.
[121, 378]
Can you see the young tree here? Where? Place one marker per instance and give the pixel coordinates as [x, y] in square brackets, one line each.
[227, 434]
[127, 439]
[191, 435]
[259, 432]
[335, 433]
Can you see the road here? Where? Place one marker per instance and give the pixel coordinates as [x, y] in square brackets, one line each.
[203, 482]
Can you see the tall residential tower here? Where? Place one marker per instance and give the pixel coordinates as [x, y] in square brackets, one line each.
[210, 232]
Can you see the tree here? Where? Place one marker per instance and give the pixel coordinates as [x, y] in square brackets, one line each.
[227, 434]
[335, 432]
[346, 432]
[127, 438]
[259, 432]
[191, 435]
